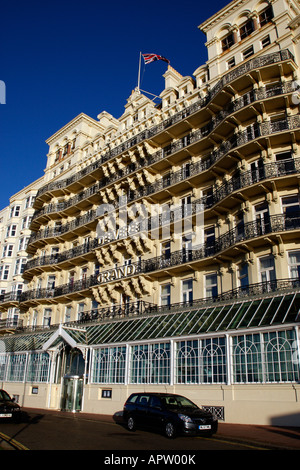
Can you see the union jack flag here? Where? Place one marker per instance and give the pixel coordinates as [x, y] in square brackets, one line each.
[152, 57]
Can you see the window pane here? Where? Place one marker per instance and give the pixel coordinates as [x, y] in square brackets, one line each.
[211, 285]
[247, 360]
[282, 364]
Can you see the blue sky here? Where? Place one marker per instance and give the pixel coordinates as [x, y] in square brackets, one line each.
[61, 58]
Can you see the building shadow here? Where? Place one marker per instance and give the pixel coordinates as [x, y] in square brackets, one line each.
[280, 427]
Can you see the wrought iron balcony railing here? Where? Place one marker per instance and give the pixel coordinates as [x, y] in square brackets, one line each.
[63, 256]
[11, 324]
[238, 181]
[142, 308]
[55, 232]
[246, 67]
[250, 230]
[10, 297]
[234, 106]
[252, 132]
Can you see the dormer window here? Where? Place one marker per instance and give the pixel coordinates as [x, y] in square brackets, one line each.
[227, 42]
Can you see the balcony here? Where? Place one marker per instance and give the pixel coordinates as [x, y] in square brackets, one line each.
[239, 181]
[91, 194]
[10, 298]
[246, 67]
[260, 304]
[256, 230]
[55, 233]
[52, 260]
[10, 326]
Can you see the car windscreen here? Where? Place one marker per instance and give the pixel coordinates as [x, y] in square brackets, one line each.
[4, 395]
[177, 401]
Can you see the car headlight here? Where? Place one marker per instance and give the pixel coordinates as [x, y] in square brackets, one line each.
[185, 418]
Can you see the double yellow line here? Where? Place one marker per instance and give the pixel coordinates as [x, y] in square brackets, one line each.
[15, 444]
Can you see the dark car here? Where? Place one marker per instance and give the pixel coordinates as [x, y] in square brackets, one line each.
[169, 413]
[8, 408]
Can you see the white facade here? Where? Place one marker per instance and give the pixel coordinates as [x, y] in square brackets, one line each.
[219, 323]
[15, 220]
[243, 29]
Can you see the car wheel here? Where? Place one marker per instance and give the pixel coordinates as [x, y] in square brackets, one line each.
[131, 424]
[170, 430]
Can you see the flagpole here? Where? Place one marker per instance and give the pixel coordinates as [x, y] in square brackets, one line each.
[139, 72]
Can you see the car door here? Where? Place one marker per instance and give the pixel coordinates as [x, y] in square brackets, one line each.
[142, 410]
[155, 413]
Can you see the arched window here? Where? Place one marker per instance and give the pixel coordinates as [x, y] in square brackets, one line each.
[160, 364]
[16, 367]
[281, 357]
[139, 364]
[117, 366]
[266, 16]
[109, 365]
[100, 366]
[213, 361]
[38, 367]
[247, 360]
[187, 363]
[151, 363]
[227, 41]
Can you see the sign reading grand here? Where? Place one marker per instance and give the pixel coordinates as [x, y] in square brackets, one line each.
[116, 273]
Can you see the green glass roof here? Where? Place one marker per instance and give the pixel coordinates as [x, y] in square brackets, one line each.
[29, 342]
[245, 314]
[250, 313]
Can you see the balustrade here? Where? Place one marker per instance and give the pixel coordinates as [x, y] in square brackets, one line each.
[274, 224]
[238, 181]
[203, 102]
[250, 133]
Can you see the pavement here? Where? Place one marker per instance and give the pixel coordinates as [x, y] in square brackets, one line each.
[270, 437]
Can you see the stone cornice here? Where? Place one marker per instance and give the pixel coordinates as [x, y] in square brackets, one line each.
[82, 117]
[221, 15]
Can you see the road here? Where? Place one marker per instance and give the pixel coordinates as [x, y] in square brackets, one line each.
[42, 431]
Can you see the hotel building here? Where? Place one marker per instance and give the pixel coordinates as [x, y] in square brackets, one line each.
[164, 251]
[15, 220]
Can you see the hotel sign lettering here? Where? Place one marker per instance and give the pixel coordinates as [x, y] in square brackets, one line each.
[117, 273]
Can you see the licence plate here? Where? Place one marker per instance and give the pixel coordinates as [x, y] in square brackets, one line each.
[5, 415]
[205, 426]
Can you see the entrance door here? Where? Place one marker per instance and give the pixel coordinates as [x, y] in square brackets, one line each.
[72, 379]
[71, 399]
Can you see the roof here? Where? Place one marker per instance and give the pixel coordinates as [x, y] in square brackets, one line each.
[219, 318]
[251, 313]
[221, 14]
